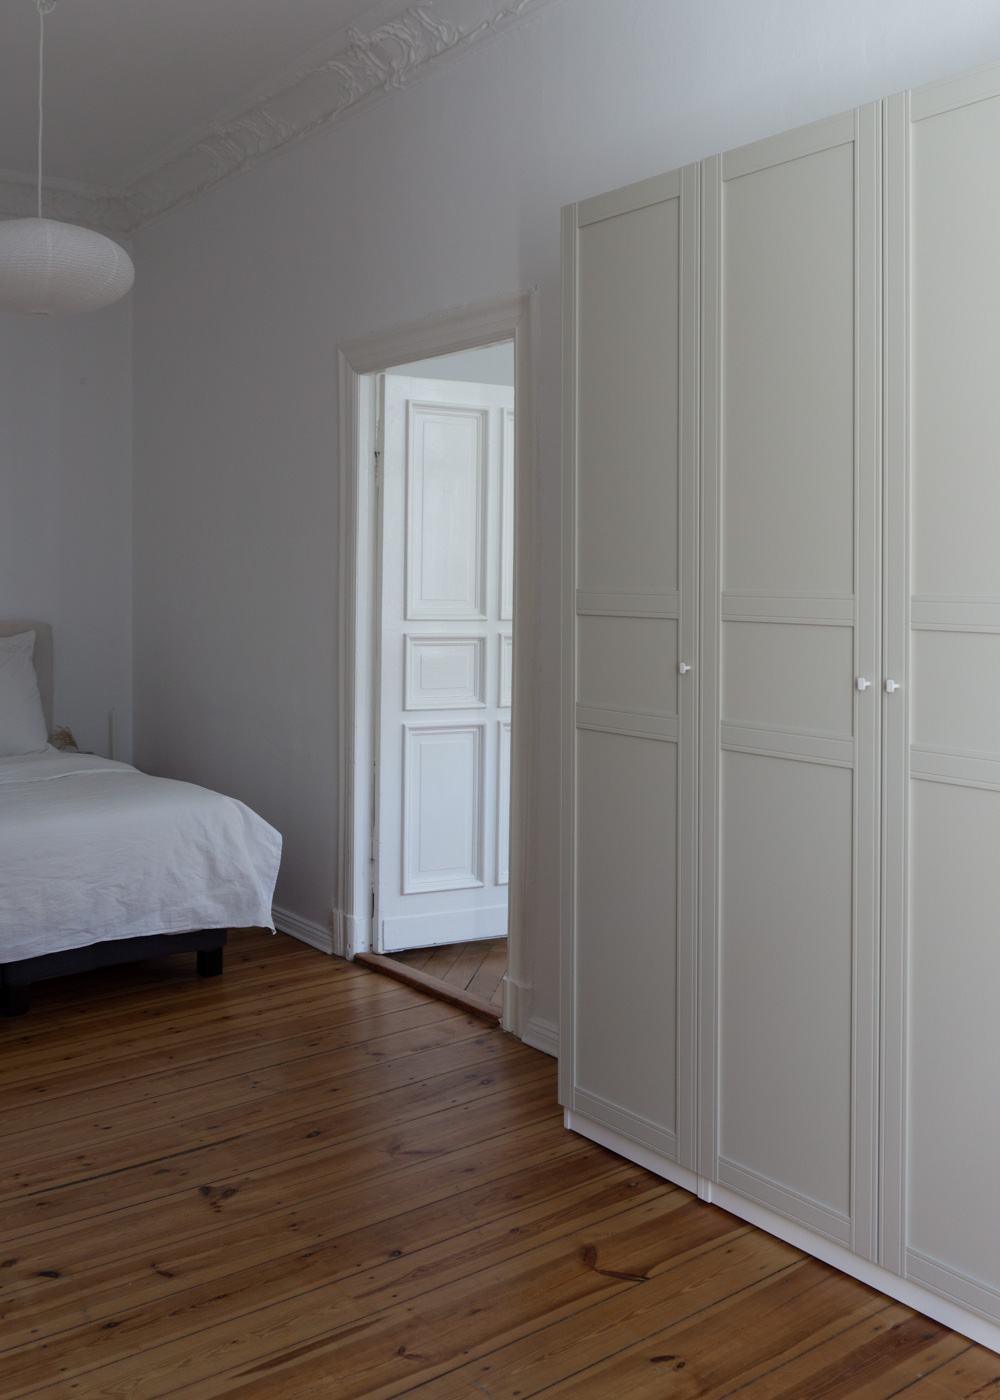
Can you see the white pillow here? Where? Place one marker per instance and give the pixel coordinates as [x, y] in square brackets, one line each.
[22, 721]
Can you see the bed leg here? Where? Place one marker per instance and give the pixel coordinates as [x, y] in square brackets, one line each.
[14, 1001]
[210, 962]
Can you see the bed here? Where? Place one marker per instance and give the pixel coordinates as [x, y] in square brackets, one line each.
[102, 864]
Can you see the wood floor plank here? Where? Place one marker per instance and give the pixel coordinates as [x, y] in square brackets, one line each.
[928, 1389]
[53, 1053]
[443, 991]
[426, 1235]
[972, 1375]
[287, 1122]
[443, 959]
[59, 997]
[236, 1102]
[352, 1042]
[62, 1007]
[706, 1354]
[450, 1231]
[413, 957]
[156, 1235]
[311, 1181]
[725, 1262]
[475, 971]
[878, 1358]
[465, 966]
[201, 1053]
[490, 973]
[387, 1058]
[870, 1359]
[315, 1146]
[406, 1345]
[339, 1019]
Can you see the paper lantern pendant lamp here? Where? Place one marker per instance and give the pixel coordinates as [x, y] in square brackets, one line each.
[51, 268]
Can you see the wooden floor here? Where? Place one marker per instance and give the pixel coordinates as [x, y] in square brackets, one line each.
[477, 968]
[304, 1179]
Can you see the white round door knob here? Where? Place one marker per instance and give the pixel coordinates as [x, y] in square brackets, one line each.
[891, 686]
[683, 668]
[862, 683]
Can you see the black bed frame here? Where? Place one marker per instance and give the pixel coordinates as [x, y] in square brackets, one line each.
[16, 977]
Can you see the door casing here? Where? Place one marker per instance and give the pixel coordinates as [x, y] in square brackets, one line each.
[510, 318]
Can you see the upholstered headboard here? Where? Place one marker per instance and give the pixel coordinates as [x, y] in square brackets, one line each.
[42, 658]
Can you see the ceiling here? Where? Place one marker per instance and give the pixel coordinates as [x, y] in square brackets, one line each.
[127, 80]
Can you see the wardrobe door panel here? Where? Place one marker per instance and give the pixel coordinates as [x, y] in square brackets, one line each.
[954, 1126]
[628, 1056]
[628, 663]
[788, 371]
[955, 686]
[786, 984]
[791, 598]
[942, 815]
[955, 309]
[628, 327]
[788, 675]
[626, 963]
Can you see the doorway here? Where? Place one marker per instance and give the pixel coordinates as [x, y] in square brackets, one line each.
[435, 776]
[445, 453]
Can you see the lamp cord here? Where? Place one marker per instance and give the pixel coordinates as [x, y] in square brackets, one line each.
[43, 7]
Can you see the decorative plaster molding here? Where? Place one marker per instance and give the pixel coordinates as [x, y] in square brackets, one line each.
[371, 63]
[74, 204]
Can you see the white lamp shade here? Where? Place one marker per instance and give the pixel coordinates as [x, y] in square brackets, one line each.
[52, 268]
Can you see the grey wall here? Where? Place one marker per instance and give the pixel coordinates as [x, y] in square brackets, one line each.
[66, 506]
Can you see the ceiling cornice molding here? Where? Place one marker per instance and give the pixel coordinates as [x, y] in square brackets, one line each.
[63, 199]
[371, 63]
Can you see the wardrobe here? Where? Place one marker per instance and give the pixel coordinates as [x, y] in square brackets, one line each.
[781, 766]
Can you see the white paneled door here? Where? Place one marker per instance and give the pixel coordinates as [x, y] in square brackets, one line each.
[446, 487]
[791, 715]
[941, 1136]
[632, 669]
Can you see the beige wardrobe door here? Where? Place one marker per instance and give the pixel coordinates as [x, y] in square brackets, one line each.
[791, 631]
[942, 1046]
[630, 288]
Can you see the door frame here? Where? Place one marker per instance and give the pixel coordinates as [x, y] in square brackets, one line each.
[510, 318]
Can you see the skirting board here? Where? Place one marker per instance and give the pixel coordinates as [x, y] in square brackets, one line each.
[912, 1295]
[351, 935]
[533, 1030]
[515, 1000]
[542, 1035]
[303, 929]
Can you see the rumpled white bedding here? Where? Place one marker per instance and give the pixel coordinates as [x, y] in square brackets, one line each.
[91, 850]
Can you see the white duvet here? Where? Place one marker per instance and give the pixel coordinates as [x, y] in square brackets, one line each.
[91, 849]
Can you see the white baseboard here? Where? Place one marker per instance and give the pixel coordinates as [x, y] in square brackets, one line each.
[303, 929]
[513, 1003]
[541, 1035]
[351, 935]
[635, 1152]
[906, 1291]
[533, 1030]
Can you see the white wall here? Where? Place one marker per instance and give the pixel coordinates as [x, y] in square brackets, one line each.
[444, 193]
[66, 506]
